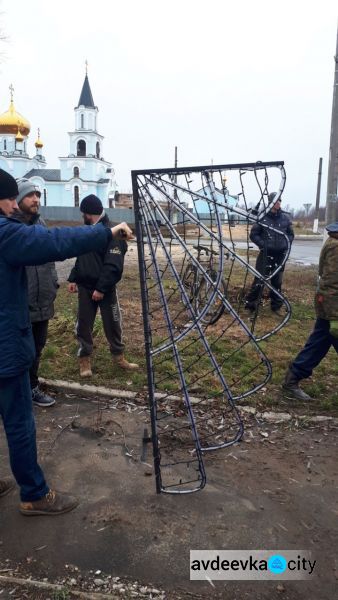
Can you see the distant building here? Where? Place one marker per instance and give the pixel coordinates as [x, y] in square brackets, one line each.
[123, 200]
[206, 204]
[83, 171]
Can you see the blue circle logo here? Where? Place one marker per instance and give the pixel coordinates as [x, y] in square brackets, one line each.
[277, 563]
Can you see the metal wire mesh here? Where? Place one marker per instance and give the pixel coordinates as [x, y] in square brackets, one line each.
[202, 347]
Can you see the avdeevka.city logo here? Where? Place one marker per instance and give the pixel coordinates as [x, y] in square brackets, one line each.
[251, 564]
[277, 563]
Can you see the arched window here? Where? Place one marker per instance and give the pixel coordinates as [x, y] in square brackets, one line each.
[76, 195]
[82, 121]
[76, 172]
[5, 144]
[97, 150]
[81, 148]
[44, 197]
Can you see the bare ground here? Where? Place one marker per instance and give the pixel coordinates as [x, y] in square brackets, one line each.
[277, 489]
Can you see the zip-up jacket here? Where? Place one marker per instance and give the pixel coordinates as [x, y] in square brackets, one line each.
[100, 270]
[42, 282]
[326, 299]
[272, 241]
[20, 246]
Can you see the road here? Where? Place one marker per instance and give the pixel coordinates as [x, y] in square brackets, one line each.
[304, 252]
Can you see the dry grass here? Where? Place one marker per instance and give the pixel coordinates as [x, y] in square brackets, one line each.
[59, 358]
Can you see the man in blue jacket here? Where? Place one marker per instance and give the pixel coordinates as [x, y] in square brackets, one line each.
[20, 246]
[273, 245]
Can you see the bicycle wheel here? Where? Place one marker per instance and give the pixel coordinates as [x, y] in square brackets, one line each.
[205, 292]
[189, 281]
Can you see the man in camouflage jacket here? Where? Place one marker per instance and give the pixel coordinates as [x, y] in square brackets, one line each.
[325, 333]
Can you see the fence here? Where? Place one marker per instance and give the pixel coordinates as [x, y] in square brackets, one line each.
[116, 215]
[72, 213]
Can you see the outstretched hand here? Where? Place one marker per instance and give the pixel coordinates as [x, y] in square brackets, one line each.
[122, 232]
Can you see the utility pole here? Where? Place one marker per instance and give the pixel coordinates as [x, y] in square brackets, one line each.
[331, 196]
[172, 216]
[319, 181]
[175, 176]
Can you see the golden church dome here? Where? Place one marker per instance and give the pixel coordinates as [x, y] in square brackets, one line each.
[38, 143]
[19, 136]
[11, 120]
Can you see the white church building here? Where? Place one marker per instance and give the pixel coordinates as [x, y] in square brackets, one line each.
[83, 171]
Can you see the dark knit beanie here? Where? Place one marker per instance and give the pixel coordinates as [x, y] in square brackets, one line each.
[272, 196]
[8, 186]
[91, 205]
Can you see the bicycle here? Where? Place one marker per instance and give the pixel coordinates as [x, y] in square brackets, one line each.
[199, 288]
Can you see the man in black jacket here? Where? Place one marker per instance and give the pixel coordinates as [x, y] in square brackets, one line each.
[94, 277]
[42, 287]
[273, 246]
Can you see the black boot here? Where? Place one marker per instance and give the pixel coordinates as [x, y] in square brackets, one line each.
[41, 399]
[291, 386]
[250, 306]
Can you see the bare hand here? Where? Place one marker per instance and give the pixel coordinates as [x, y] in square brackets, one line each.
[122, 232]
[72, 288]
[97, 296]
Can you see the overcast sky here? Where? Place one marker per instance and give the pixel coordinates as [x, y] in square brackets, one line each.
[226, 82]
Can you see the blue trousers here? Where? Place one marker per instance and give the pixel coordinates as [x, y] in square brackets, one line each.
[315, 349]
[16, 410]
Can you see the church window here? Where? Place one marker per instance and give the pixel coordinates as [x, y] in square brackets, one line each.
[76, 195]
[76, 172]
[81, 148]
[44, 197]
[82, 121]
[5, 144]
[97, 150]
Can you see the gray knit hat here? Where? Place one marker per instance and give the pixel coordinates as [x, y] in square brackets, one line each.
[26, 186]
